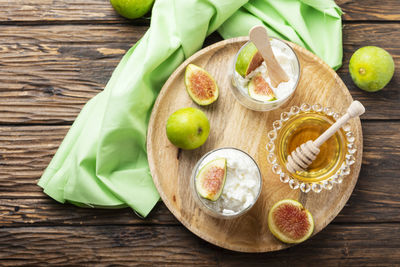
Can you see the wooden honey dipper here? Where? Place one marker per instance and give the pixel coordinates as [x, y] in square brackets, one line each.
[305, 154]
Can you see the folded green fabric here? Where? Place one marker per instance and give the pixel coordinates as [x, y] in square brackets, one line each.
[102, 161]
[313, 24]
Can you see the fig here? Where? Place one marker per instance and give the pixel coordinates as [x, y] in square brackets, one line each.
[188, 128]
[290, 222]
[259, 89]
[200, 85]
[248, 60]
[371, 68]
[211, 179]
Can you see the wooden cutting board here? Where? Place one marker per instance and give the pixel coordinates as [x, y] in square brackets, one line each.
[235, 126]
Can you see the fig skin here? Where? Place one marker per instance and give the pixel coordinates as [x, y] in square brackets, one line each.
[248, 60]
[203, 90]
[264, 93]
[219, 163]
[276, 231]
[371, 68]
[188, 128]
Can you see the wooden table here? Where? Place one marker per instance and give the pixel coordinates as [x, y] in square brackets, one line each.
[55, 55]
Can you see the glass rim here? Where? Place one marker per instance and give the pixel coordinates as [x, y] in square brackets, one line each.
[316, 185]
[337, 163]
[277, 100]
[213, 211]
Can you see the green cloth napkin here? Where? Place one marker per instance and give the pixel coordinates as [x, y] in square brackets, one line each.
[313, 24]
[102, 161]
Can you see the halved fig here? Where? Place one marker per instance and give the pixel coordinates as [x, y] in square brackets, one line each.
[200, 85]
[259, 89]
[211, 179]
[248, 60]
[290, 222]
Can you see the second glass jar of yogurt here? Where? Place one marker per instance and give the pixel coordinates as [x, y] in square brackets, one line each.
[246, 85]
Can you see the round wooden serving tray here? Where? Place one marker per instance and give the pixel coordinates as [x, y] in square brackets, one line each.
[233, 125]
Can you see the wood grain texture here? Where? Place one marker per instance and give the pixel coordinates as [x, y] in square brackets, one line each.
[21, 154]
[64, 66]
[72, 63]
[369, 10]
[45, 211]
[338, 245]
[171, 173]
[46, 11]
[358, 35]
[60, 72]
[58, 10]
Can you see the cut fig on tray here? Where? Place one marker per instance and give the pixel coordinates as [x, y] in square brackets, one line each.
[290, 222]
[200, 85]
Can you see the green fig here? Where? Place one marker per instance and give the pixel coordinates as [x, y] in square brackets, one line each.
[211, 179]
[200, 85]
[259, 89]
[248, 60]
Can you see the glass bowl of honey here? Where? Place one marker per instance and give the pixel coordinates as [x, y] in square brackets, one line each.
[297, 126]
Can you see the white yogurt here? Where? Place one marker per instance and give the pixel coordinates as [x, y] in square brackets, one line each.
[242, 185]
[288, 61]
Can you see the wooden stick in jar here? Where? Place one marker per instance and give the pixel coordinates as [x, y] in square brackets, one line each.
[259, 37]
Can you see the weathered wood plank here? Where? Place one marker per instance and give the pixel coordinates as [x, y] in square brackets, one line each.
[58, 10]
[337, 245]
[382, 35]
[47, 212]
[25, 152]
[55, 70]
[46, 11]
[380, 171]
[64, 66]
[369, 10]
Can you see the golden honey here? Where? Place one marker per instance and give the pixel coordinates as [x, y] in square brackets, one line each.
[306, 126]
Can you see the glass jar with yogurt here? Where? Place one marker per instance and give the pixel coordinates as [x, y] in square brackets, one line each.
[289, 62]
[242, 184]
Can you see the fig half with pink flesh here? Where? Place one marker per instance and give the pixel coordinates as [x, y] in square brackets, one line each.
[211, 179]
[259, 89]
[200, 85]
[248, 60]
[290, 222]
